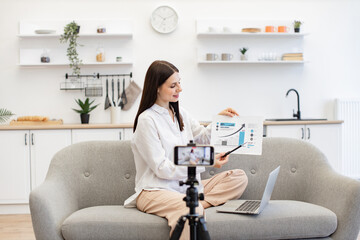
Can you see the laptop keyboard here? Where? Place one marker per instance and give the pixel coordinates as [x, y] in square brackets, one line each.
[248, 206]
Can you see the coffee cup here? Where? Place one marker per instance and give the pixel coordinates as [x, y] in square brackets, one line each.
[211, 56]
[226, 56]
[283, 29]
[269, 29]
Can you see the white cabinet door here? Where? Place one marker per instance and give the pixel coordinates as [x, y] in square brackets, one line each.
[81, 135]
[328, 139]
[14, 167]
[44, 144]
[128, 133]
[290, 131]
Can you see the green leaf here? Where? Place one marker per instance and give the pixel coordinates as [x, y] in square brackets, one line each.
[5, 115]
[85, 106]
[70, 35]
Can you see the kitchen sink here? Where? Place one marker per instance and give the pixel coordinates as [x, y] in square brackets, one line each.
[295, 119]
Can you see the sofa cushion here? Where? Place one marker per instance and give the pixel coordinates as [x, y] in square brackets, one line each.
[281, 219]
[114, 222]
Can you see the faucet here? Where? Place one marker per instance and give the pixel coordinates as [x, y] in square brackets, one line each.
[298, 114]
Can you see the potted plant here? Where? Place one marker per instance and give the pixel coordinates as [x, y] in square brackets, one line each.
[86, 108]
[297, 25]
[5, 115]
[243, 53]
[71, 33]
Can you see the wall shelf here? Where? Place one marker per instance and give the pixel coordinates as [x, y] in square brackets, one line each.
[261, 34]
[116, 42]
[225, 36]
[96, 35]
[252, 62]
[67, 64]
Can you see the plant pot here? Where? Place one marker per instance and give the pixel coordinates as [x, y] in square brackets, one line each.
[243, 57]
[296, 30]
[85, 118]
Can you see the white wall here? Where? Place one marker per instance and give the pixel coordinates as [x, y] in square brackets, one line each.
[332, 48]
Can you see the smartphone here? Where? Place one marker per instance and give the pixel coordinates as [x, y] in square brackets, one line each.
[194, 156]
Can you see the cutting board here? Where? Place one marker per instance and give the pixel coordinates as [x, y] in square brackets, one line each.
[50, 122]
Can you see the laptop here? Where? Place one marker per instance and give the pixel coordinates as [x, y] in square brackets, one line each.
[252, 206]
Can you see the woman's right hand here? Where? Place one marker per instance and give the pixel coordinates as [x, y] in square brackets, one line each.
[220, 160]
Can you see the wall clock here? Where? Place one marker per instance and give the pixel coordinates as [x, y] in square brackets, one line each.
[164, 19]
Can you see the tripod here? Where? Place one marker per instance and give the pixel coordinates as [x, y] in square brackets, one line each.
[197, 224]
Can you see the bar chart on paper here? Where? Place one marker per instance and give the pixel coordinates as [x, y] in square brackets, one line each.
[230, 132]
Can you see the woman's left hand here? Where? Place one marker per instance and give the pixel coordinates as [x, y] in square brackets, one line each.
[229, 112]
[220, 160]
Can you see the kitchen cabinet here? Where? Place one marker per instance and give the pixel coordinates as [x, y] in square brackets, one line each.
[116, 42]
[128, 133]
[14, 167]
[225, 36]
[27, 153]
[44, 144]
[82, 135]
[25, 162]
[326, 137]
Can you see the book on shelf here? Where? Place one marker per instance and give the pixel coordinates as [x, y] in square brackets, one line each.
[292, 58]
[293, 55]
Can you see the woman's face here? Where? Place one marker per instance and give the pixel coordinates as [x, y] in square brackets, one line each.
[169, 90]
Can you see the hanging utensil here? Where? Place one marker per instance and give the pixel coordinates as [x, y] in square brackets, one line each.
[124, 100]
[107, 102]
[111, 103]
[125, 97]
[118, 92]
[112, 90]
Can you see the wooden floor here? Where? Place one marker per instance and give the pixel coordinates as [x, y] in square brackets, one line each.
[16, 227]
[19, 227]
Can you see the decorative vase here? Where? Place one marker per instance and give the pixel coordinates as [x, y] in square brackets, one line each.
[296, 30]
[85, 118]
[244, 57]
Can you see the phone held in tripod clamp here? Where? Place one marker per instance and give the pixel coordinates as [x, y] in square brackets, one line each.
[193, 156]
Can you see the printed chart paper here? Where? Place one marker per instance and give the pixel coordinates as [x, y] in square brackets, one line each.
[229, 132]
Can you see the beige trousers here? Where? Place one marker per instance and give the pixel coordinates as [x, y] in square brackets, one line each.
[170, 205]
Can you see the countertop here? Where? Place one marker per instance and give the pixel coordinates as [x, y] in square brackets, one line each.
[66, 126]
[130, 125]
[310, 122]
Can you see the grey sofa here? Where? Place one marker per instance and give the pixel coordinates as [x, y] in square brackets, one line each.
[88, 182]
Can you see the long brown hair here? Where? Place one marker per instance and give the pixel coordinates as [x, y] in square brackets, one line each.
[156, 75]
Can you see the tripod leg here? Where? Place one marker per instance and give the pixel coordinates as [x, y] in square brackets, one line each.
[203, 233]
[178, 228]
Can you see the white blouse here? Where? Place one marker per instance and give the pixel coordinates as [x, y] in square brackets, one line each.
[153, 145]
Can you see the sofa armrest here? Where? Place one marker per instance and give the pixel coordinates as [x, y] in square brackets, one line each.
[50, 204]
[341, 195]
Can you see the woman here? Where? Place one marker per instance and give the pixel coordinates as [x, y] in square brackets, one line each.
[160, 124]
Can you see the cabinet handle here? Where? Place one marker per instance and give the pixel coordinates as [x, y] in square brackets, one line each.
[25, 139]
[302, 133]
[119, 135]
[308, 133]
[32, 139]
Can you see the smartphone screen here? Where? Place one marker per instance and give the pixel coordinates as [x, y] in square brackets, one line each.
[194, 156]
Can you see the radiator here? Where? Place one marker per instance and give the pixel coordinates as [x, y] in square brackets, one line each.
[349, 111]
